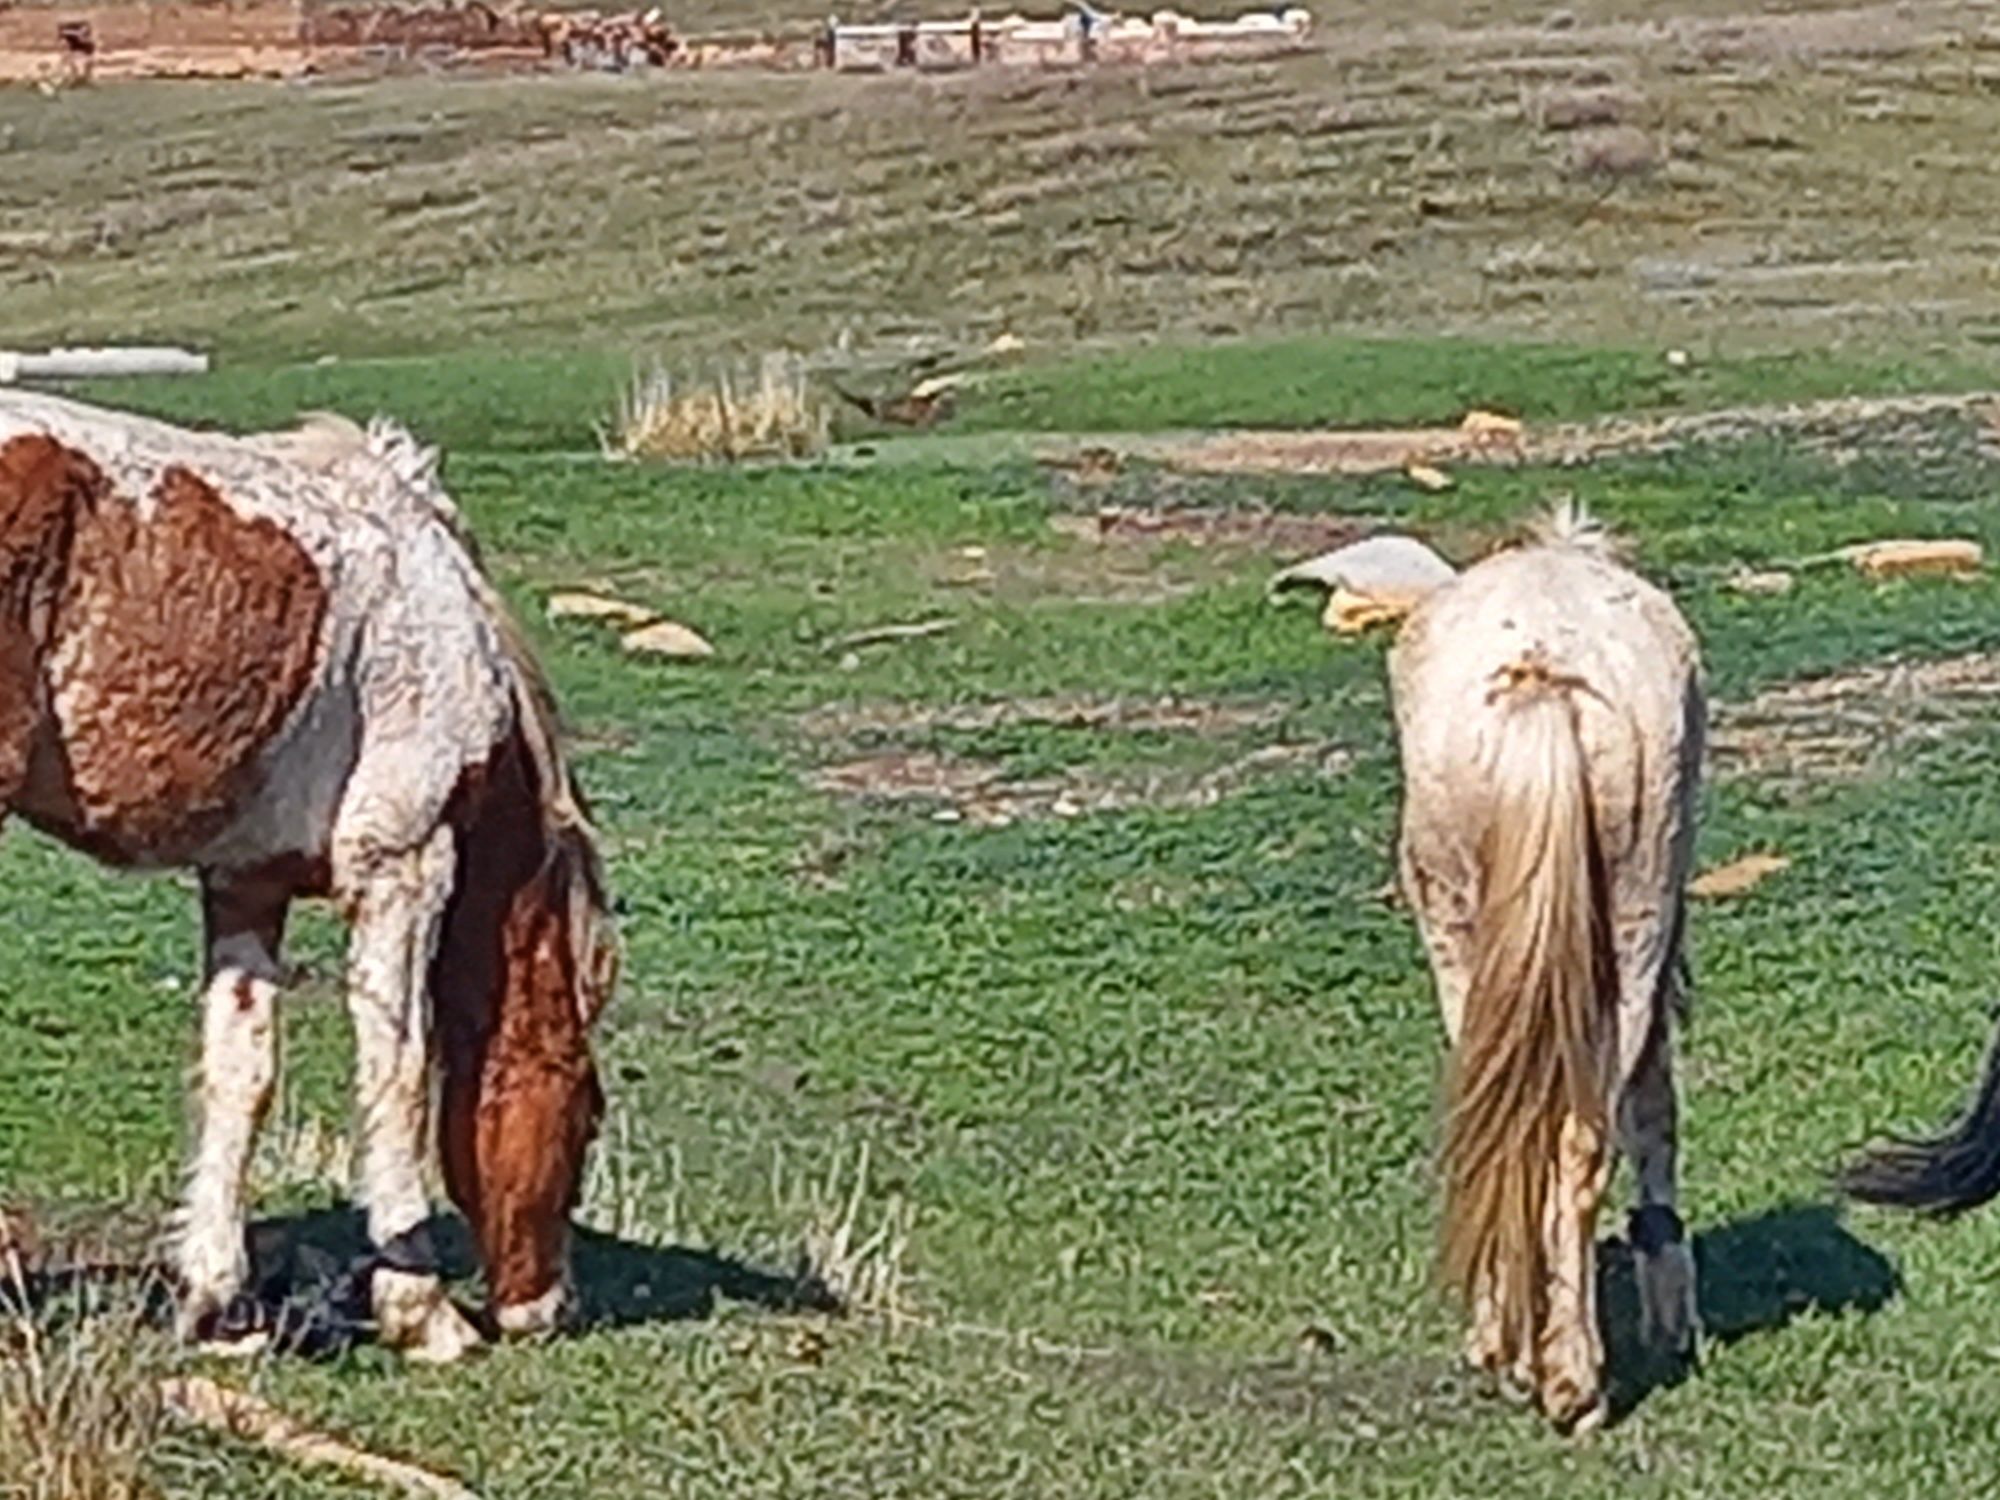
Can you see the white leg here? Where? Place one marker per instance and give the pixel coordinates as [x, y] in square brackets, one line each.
[238, 1071]
[397, 905]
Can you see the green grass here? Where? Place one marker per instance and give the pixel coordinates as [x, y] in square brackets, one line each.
[541, 402]
[1352, 382]
[1155, 1083]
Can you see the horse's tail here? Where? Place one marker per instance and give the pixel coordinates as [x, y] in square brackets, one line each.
[1532, 1055]
[574, 866]
[1946, 1174]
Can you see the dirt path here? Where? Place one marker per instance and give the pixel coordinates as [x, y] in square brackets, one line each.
[1839, 428]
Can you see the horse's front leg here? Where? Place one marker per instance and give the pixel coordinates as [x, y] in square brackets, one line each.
[397, 904]
[243, 924]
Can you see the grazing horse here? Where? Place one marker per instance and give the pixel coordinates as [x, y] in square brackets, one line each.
[1550, 718]
[275, 661]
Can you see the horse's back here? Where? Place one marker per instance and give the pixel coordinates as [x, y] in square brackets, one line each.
[214, 625]
[1618, 644]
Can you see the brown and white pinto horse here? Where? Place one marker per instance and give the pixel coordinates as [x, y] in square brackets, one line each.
[276, 661]
[1550, 720]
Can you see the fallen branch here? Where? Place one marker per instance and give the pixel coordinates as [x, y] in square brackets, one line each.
[203, 1403]
[883, 633]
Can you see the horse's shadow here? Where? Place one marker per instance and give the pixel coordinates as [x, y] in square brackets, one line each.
[310, 1272]
[1755, 1276]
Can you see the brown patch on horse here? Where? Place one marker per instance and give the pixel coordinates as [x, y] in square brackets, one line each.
[521, 1100]
[182, 642]
[43, 486]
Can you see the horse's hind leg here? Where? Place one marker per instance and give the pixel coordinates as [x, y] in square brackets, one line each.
[243, 924]
[1648, 1124]
[396, 903]
[1571, 1357]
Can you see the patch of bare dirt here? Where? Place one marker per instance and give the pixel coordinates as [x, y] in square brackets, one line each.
[980, 793]
[1840, 429]
[1197, 716]
[1353, 451]
[1844, 724]
[1143, 554]
[1223, 528]
[1095, 576]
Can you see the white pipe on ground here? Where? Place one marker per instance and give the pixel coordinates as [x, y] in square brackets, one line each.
[83, 364]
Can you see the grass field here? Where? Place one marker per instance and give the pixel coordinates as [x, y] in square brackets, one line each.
[1139, 1054]
[1710, 180]
[1054, 947]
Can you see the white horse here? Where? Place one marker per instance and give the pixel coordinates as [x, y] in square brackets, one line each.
[275, 661]
[1551, 719]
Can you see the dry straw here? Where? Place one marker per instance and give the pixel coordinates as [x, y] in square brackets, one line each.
[770, 412]
[80, 1405]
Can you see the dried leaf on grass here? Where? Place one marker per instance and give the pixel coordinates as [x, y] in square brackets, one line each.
[1738, 876]
[580, 606]
[1766, 581]
[878, 634]
[1898, 557]
[668, 638]
[1491, 427]
[1427, 477]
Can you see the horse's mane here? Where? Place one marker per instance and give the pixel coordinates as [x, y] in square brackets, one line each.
[1567, 523]
[403, 470]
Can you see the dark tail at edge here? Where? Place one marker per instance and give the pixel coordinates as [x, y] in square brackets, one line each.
[1945, 1175]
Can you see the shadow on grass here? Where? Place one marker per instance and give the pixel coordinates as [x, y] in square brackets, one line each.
[1756, 1275]
[309, 1279]
[313, 1266]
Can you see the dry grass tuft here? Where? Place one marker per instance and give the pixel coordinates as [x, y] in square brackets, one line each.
[770, 413]
[80, 1406]
[1617, 152]
[636, 1194]
[855, 1253]
[302, 1154]
[1580, 109]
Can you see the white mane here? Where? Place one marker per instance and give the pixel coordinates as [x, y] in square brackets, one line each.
[387, 453]
[1567, 523]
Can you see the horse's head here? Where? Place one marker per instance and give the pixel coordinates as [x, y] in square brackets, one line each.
[542, 1102]
[527, 963]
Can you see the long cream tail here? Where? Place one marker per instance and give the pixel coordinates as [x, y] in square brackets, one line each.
[1533, 1047]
